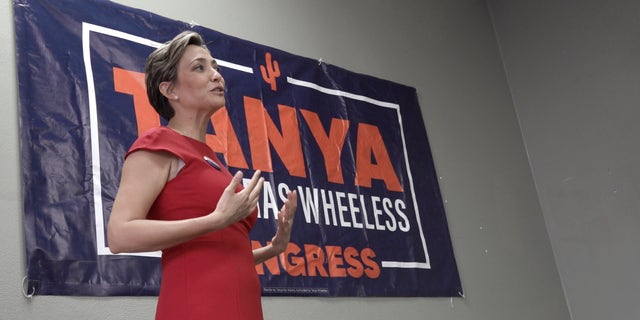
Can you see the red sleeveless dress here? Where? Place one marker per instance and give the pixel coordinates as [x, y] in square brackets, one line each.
[212, 276]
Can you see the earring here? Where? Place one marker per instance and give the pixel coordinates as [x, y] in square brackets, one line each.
[175, 97]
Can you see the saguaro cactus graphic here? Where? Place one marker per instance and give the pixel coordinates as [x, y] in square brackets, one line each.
[271, 71]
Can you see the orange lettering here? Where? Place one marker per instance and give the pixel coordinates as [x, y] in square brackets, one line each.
[272, 264]
[373, 270]
[294, 264]
[355, 269]
[318, 261]
[370, 144]
[330, 145]
[335, 261]
[315, 260]
[131, 82]
[225, 140]
[262, 130]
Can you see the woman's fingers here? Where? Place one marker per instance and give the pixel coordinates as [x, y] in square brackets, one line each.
[288, 210]
[251, 192]
[290, 206]
[255, 192]
[254, 181]
[235, 181]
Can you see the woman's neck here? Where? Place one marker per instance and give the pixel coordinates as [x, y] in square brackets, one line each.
[194, 129]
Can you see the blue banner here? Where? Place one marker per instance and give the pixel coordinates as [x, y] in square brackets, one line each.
[370, 218]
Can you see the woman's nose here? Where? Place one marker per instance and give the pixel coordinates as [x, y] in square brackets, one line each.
[215, 75]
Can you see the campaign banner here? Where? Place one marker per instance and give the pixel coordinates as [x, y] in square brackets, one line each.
[370, 220]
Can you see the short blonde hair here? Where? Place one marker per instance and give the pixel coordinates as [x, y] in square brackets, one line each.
[162, 65]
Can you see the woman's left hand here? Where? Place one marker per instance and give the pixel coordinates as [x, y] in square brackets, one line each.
[285, 221]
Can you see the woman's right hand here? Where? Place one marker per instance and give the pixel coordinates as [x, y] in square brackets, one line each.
[235, 206]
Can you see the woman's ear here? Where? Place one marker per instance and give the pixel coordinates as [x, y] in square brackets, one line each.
[167, 90]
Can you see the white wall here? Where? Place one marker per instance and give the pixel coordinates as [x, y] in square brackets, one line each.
[574, 71]
[447, 51]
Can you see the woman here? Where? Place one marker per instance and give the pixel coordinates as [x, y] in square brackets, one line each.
[175, 196]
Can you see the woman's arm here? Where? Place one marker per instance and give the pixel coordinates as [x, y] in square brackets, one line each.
[281, 239]
[144, 174]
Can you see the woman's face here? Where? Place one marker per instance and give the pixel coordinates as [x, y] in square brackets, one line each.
[199, 84]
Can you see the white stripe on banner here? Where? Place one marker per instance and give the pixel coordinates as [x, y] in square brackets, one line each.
[385, 264]
[101, 247]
